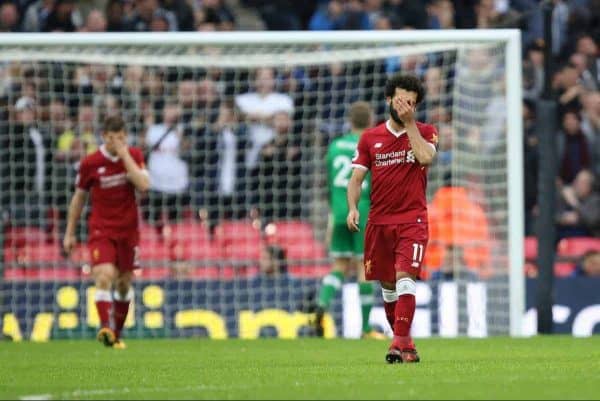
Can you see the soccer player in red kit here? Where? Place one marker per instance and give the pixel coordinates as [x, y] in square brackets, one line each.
[397, 153]
[111, 175]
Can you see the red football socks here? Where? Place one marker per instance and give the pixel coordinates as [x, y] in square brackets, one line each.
[120, 314]
[405, 311]
[390, 312]
[103, 308]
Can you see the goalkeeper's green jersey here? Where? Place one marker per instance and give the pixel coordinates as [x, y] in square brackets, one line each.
[339, 169]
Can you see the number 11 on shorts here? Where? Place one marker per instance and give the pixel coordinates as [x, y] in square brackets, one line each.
[417, 254]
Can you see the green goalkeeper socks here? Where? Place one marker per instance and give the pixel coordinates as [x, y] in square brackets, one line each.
[366, 303]
[330, 284]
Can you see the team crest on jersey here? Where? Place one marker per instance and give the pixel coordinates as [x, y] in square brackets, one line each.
[96, 254]
[101, 170]
[368, 266]
[377, 145]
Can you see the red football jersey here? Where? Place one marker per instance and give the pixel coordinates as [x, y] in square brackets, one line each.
[114, 209]
[398, 180]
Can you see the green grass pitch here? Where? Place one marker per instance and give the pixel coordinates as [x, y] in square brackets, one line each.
[554, 367]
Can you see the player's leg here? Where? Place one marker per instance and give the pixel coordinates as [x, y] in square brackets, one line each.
[104, 275]
[340, 248]
[330, 284]
[390, 298]
[409, 256]
[122, 299]
[365, 290]
[103, 256]
[127, 256]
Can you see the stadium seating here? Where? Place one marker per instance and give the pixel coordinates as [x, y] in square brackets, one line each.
[575, 247]
[531, 248]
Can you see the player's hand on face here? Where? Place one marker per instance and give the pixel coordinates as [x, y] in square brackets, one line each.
[68, 243]
[120, 146]
[405, 110]
[352, 220]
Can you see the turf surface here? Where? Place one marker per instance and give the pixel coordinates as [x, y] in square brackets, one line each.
[498, 368]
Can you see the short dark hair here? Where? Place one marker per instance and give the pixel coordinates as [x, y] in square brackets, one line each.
[114, 124]
[407, 82]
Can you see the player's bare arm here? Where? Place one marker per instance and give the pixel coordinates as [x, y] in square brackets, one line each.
[423, 150]
[138, 176]
[75, 208]
[354, 189]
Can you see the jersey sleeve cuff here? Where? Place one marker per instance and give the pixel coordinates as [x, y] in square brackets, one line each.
[360, 166]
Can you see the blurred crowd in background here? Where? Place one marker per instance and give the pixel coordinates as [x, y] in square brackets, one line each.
[258, 130]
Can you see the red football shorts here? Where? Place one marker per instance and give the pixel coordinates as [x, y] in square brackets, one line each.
[394, 248]
[120, 251]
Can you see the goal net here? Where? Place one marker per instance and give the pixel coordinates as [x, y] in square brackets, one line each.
[234, 128]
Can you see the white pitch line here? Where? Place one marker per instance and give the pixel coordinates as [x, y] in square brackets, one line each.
[34, 397]
[83, 393]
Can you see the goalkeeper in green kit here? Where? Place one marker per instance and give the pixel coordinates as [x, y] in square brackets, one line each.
[345, 247]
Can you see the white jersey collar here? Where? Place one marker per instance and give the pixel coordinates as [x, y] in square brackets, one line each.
[397, 134]
[106, 154]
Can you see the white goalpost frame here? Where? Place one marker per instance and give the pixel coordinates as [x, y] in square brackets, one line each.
[510, 38]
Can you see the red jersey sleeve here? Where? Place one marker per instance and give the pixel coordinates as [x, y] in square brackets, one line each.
[138, 157]
[362, 157]
[430, 134]
[84, 178]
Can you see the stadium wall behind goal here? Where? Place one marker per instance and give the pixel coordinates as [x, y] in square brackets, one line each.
[44, 310]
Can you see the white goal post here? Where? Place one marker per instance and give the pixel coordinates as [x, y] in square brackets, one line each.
[474, 92]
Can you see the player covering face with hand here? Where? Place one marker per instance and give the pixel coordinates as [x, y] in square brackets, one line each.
[111, 176]
[397, 153]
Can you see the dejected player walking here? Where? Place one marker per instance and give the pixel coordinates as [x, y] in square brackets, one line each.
[111, 175]
[397, 153]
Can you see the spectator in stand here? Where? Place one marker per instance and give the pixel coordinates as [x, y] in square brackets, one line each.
[530, 163]
[169, 173]
[182, 11]
[580, 62]
[37, 14]
[64, 17]
[578, 210]
[566, 84]
[144, 14]
[341, 15]
[63, 174]
[327, 17]
[589, 47]
[214, 13]
[259, 107]
[441, 14]
[589, 265]
[273, 261]
[222, 188]
[277, 175]
[573, 149]
[26, 171]
[95, 22]
[590, 125]
[408, 14]
[533, 71]
[466, 227]
[9, 18]
[115, 16]
[209, 99]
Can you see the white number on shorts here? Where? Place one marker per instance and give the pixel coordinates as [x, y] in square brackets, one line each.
[417, 253]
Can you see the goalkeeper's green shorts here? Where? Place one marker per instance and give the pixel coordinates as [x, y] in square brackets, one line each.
[345, 243]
